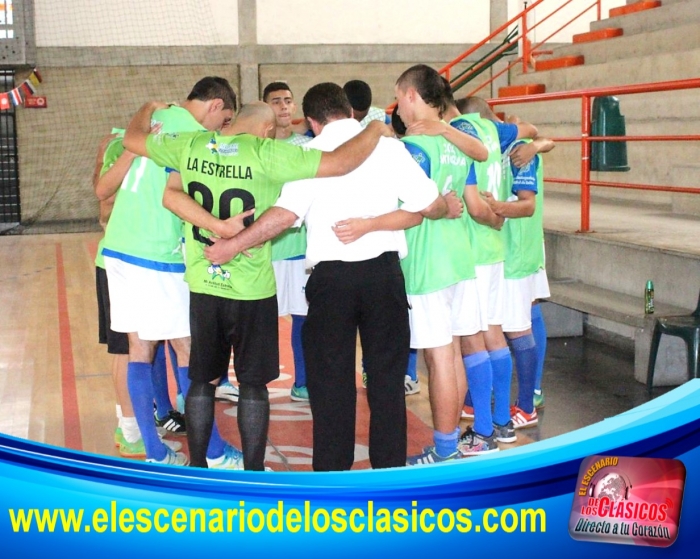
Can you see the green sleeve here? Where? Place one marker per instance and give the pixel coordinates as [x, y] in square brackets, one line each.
[114, 149]
[166, 150]
[285, 162]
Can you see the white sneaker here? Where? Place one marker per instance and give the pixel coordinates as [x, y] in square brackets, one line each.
[226, 391]
[411, 386]
[231, 459]
[172, 445]
[172, 458]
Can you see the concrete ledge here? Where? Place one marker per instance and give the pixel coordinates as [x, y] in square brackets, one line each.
[620, 320]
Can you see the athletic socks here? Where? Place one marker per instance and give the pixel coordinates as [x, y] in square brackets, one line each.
[130, 429]
[525, 355]
[299, 365]
[446, 443]
[253, 423]
[480, 378]
[183, 374]
[200, 421]
[160, 382]
[539, 332]
[140, 386]
[502, 367]
[412, 364]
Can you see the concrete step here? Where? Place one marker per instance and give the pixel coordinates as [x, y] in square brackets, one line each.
[663, 66]
[636, 7]
[556, 63]
[678, 39]
[668, 15]
[618, 320]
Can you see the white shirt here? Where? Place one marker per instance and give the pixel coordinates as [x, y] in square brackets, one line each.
[388, 175]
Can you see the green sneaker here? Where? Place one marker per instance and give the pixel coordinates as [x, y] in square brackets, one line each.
[118, 437]
[138, 450]
[538, 399]
[132, 450]
[364, 379]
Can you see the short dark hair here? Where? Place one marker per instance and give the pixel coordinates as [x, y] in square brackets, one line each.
[428, 83]
[359, 94]
[275, 86]
[214, 87]
[476, 105]
[326, 101]
[396, 122]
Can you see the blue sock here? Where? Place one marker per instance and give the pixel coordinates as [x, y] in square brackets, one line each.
[525, 355]
[480, 378]
[174, 365]
[412, 363]
[160, 383]
[140, 386]
[468, 398]
[299, 365]
[502, 366]
[539, 332]
[446, 444]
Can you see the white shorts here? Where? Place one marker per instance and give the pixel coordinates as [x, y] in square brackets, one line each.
[439, 316]
[519, 296]
[490, 286]
[291, 277]
[155, 305]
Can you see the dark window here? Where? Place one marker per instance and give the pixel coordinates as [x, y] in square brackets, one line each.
[9, 171]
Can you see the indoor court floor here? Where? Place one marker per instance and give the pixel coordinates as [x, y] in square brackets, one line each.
[56, 386]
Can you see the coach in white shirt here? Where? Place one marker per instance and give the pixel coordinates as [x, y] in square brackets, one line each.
[358, 285]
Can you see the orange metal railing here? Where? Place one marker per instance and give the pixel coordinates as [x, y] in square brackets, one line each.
[586, 96]
[528, 51]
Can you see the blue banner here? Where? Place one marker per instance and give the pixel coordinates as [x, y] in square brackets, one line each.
[60, 503]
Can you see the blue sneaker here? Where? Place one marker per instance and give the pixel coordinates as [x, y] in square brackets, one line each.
[299, 394]
[429, 456]
[472, 443]
[226, 391]
[172, 458]
[231, 459]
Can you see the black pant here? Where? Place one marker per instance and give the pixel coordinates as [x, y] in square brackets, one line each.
[344, 296]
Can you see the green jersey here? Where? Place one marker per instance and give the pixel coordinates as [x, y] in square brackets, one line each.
[112, 152]
[228, 175]
[488, 243]
[292, 242]
[439, 251]
[524, 236]
[140, 230]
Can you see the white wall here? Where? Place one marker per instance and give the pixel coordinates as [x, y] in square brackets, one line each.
[82, 23]
[372, 21]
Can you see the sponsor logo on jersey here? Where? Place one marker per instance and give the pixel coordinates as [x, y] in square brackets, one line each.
[213, 146]
[228, 150]
[217, 271]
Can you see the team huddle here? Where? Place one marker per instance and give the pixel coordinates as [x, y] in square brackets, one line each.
[431, 241]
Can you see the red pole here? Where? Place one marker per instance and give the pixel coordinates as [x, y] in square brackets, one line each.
[585, 164]
[526, 42]
[598, 9]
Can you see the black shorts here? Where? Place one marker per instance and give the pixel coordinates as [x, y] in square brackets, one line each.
[218, 324]
[117, 342]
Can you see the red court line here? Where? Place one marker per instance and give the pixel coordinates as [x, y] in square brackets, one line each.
[72, 436]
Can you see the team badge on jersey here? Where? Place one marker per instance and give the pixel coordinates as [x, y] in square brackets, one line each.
[217, 271]
[213, 146]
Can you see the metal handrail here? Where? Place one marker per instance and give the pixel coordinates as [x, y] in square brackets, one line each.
[586, 95]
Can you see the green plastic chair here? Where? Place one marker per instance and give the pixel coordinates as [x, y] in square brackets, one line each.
[686, 327]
